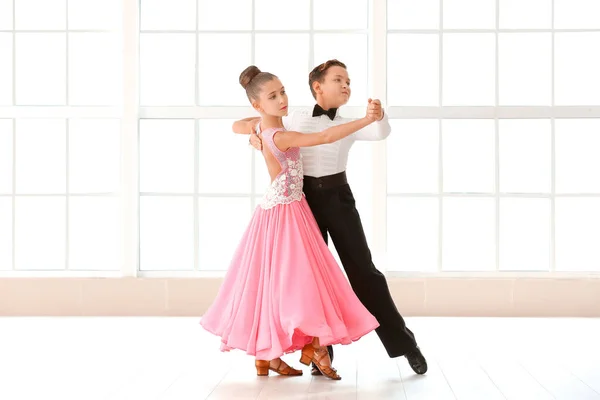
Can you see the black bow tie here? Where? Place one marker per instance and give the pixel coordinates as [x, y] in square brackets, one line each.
[318, 111]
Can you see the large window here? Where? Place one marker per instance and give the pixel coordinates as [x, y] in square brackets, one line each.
[199, 183]
[60, 94]
[117, 157]
[493, 163]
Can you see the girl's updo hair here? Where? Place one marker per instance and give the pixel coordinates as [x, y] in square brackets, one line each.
[252, 80]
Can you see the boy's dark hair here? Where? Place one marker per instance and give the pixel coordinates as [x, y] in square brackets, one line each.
[318, 73]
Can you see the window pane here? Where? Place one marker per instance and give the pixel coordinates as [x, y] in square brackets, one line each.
[167, 69]
[261, 175]
[94, 233]
[219, 238]
[409, 14]
[525, 14]
[40, 240]
[525, 68]
[41, 68]
[336, 256]
[238, 20]
[413, 70]
[525, 156]
[351, 50]
[94, 69]
[281, 15]
[6, 68]
[94, 155]
[168, 15]
[576, 14]
[360, 176]
[274, 53]
[167, 156]
[413, 156]
[524, 234]
[41, 156]
[577, 234]
[166, 233]
[469, 69]
[412, 234]
[95, 14]
[233, 174]
[468, 156]
[219, 84]
[6, 155]
[577, 163]
[469, 14]
[6, 242]
[41, 14]
[348, 14]
[468, 235]
[6, 14]
[577, 63]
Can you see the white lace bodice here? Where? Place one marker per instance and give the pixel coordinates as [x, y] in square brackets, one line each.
[287, 185]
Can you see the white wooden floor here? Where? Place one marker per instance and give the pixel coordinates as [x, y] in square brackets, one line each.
[173, 358]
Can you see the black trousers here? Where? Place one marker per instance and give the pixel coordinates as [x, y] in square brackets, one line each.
[334, 209]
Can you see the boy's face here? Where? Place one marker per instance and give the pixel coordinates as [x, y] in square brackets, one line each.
[335, 87]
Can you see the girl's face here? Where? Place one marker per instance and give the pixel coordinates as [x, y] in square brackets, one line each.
[272, 100]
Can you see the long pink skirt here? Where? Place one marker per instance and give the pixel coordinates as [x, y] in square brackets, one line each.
[283, 288]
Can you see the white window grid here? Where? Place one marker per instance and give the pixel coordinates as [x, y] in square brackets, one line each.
[198, 112]
[44, 111]
[131, 113]
[495, 113]
[64, 112]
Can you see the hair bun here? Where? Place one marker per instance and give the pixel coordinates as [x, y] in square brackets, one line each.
[248, 74]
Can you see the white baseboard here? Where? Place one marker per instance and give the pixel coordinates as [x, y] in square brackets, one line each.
[423, 296]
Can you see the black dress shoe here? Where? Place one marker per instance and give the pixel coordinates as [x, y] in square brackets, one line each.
[315, 371]
[417, 361]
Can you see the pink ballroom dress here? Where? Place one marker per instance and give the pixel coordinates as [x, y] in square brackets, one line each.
[283, 286]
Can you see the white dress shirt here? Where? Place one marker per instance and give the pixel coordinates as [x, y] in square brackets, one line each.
[332, 158]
